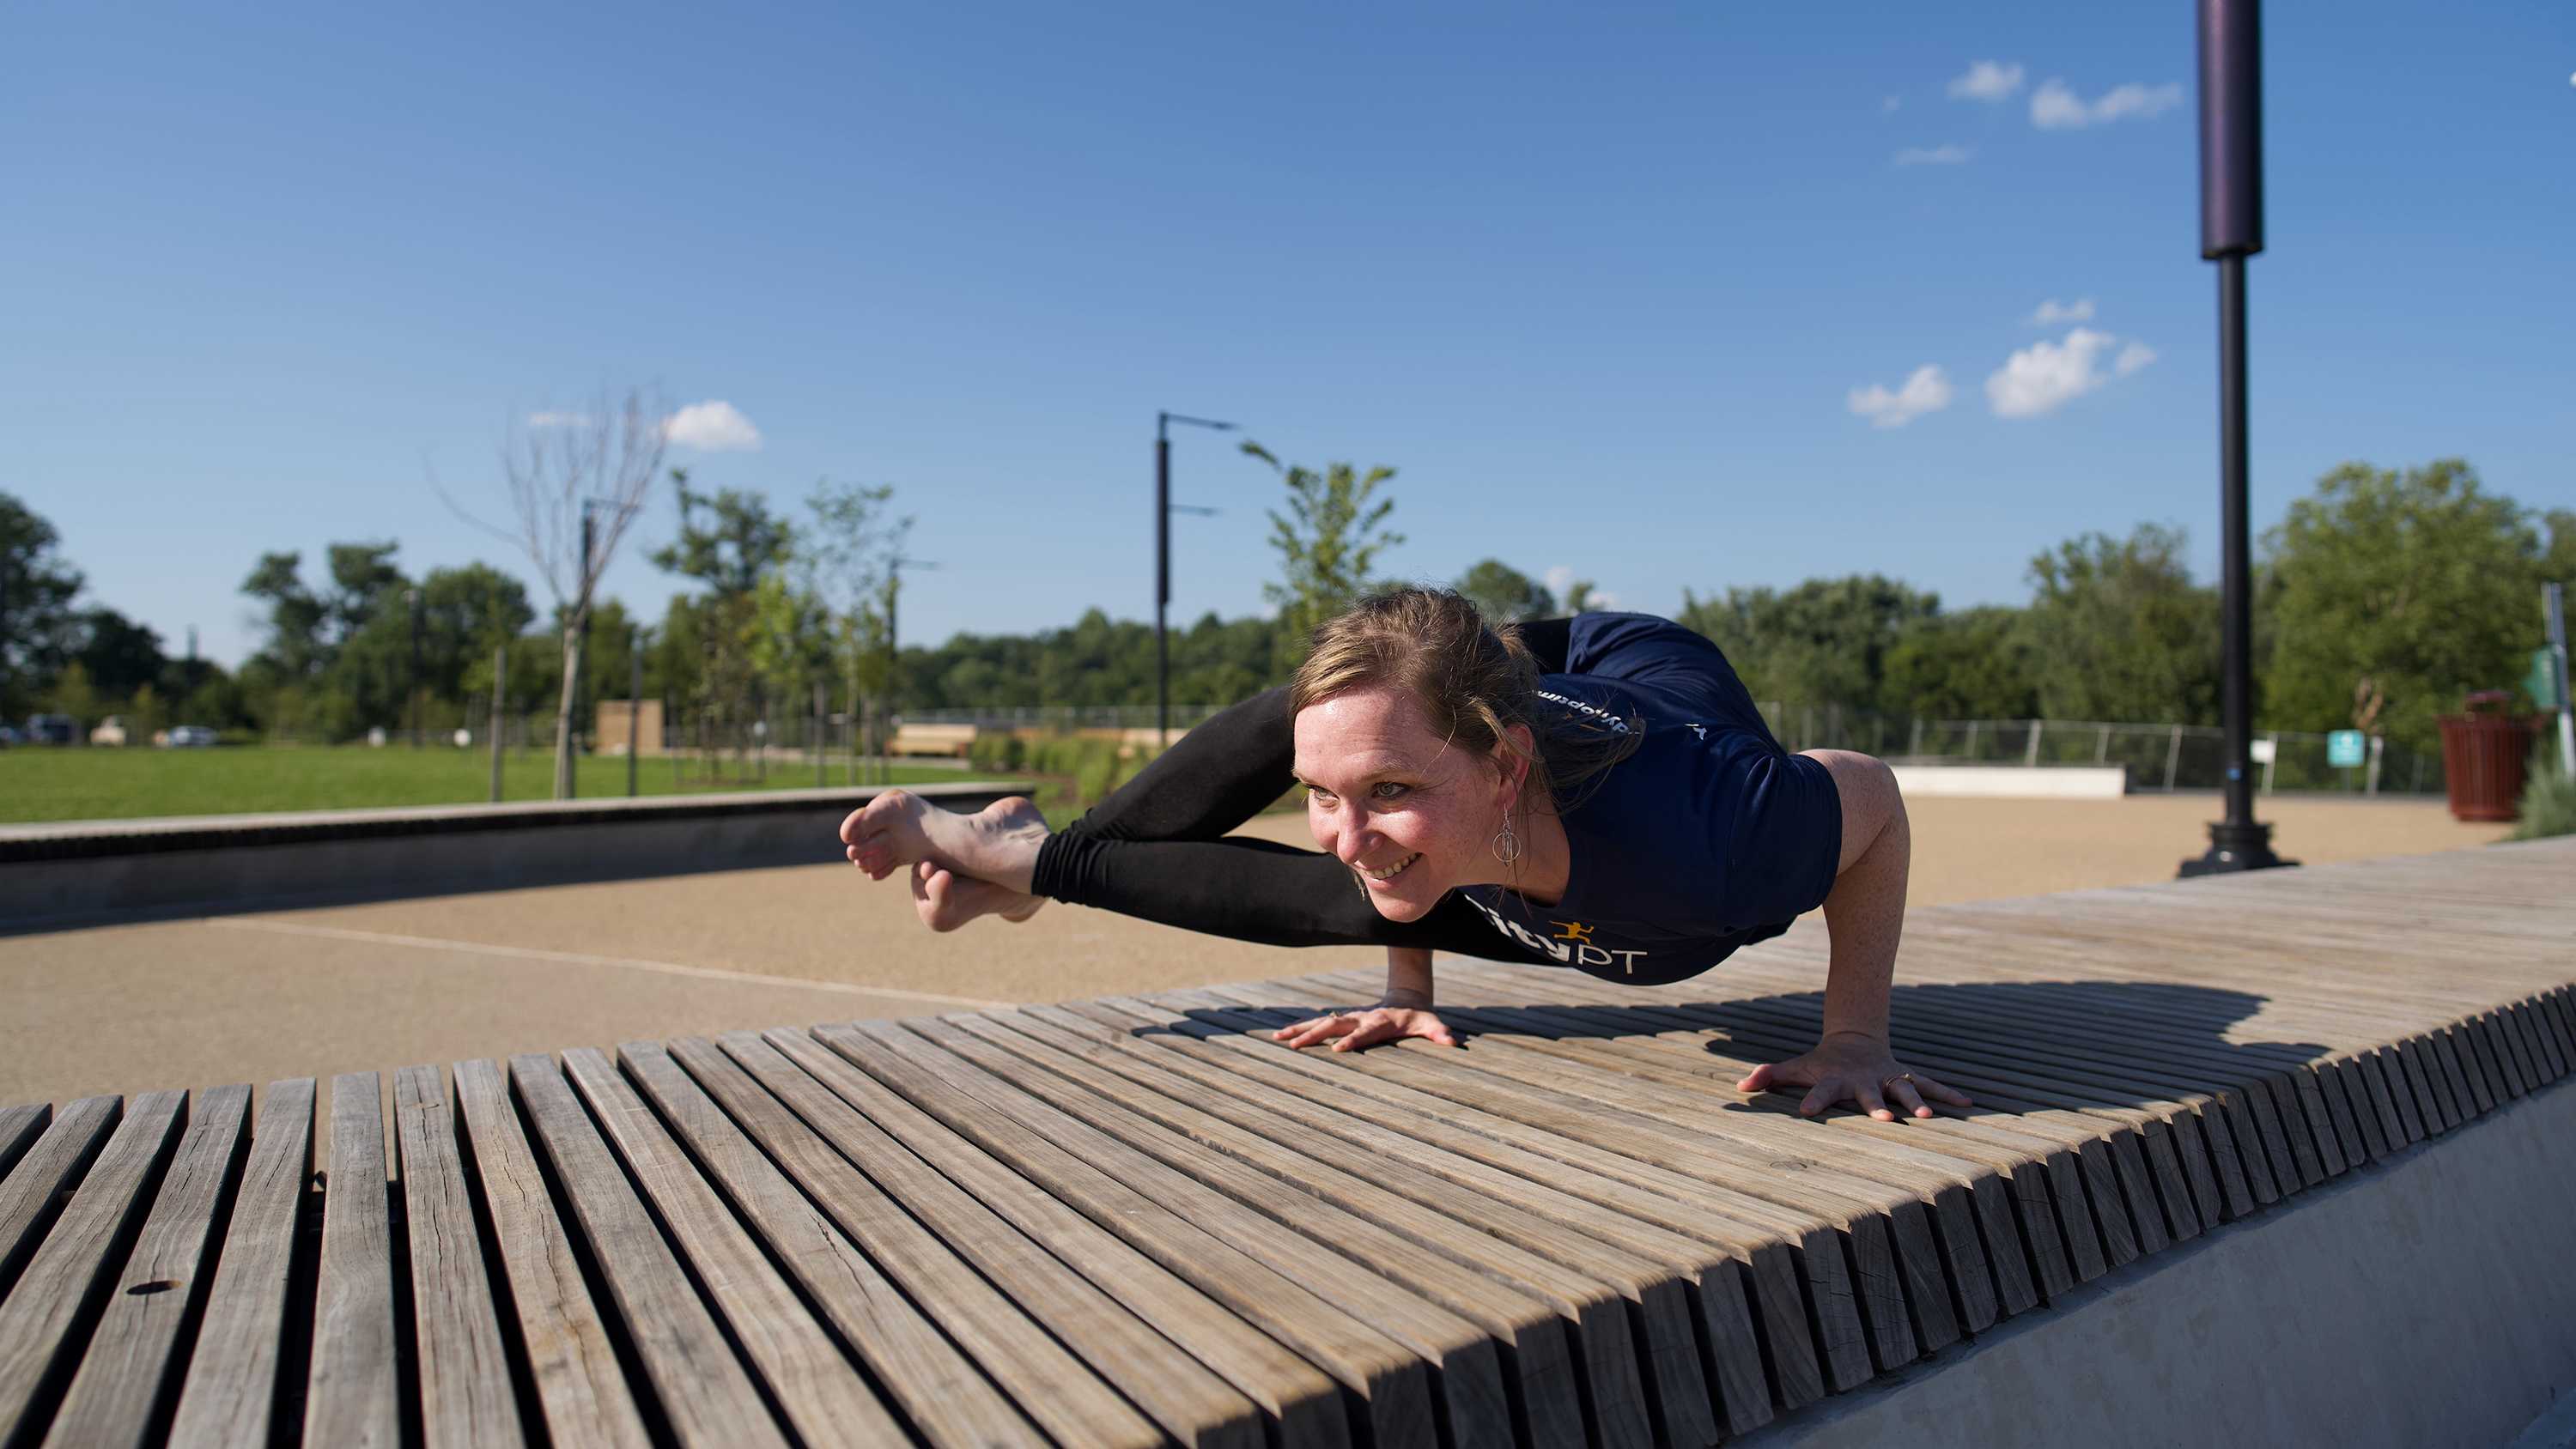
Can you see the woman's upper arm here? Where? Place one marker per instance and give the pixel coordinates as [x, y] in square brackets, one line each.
[1866, 789]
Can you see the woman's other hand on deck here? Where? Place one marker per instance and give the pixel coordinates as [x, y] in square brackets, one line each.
[1351, 1030]
[1851, 1067]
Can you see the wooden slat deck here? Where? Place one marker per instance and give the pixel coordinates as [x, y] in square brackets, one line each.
[1138, 1221]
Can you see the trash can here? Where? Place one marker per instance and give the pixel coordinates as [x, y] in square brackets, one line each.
[2483, 755]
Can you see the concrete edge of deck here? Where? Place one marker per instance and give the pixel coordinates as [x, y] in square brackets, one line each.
[2400, 1304]
[83, 870]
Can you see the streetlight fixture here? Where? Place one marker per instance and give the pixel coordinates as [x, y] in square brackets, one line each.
[1164, 508]
[2231, 229]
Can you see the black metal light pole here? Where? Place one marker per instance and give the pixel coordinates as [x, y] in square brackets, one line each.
[1164, 508]
[2231, 229]
[634, 705]
[411, 598]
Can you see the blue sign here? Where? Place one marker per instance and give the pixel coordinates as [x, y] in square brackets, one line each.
[2344, 748]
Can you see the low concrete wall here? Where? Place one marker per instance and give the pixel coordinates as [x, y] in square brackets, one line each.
[2430, 1299]
[53, 873]
[2015, 782]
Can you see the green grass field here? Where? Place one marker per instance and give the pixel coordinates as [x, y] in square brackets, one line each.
[112, 784]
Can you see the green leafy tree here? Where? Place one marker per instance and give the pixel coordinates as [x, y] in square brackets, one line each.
[728, 541]
[1975, 664]
[1504, 594]
[1328, 543]
[120, 655]
[296, 648]
[2119, 632]
[1825, 641]
[37, 627]
[2417, 586]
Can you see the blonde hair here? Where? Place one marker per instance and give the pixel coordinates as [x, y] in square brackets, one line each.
[1473, 681]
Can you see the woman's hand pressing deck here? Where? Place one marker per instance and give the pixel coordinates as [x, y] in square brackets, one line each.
[1393, 1019]
[1857, 1068]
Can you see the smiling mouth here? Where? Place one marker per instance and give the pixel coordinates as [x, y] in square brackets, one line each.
[1390, 872]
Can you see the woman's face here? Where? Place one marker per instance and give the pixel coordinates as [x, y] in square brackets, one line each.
[1410, 814]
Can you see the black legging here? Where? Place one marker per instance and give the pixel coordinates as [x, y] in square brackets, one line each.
[1157, 848]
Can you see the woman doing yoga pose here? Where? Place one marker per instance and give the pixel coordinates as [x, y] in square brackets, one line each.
[1597, 793]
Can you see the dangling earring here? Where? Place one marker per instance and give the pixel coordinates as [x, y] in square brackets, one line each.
[1507, 846]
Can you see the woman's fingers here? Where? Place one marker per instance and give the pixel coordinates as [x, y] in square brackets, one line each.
[1939, 1093]
[1867, 1094]
[1759, 1079]
[1902, 1096]
[1313, 1030]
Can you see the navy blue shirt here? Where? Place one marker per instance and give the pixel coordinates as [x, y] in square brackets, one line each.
[1707, 837]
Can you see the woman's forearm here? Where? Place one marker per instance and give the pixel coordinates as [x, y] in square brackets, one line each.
[1408, 976]
[1865, 910]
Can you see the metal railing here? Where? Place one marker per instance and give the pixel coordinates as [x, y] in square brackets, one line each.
[2159, 758]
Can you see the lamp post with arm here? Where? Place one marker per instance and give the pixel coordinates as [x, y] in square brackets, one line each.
[1164, 508]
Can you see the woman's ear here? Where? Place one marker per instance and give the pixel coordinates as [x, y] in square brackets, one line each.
[1512, 757]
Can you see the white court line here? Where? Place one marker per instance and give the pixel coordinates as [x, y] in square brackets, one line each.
[531, 953]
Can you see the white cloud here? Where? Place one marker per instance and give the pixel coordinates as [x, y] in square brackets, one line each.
[1560, 581]
[2052, 312]
[560, 420]
[1925, 390]
[1950, 155]
[1987, 80]
[2053, 107]
[715, 426]
[2044, 376]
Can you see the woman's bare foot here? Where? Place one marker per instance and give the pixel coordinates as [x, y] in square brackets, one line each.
[997, 844]
[946, 900]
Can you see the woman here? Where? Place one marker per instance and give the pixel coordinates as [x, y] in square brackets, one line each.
[1597, 793]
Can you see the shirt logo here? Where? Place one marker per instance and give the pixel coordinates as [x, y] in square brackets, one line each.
[1574, 948]
[1600, 716]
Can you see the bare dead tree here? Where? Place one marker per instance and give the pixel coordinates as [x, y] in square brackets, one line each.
[577, 481]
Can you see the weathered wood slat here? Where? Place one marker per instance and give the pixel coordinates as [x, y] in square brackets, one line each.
[230, 1393]
[466, 1398]
[1507, 1289]
[1564, 1229]
[45, 1322]
[581, 1391]
[19, 1129]
[1302, 1399]
[49, 1169]
[1048, 1381]
[699, 1387]
[129, 1377]
[937, 1388]
[351, 1391]
[818, 1390]
[1390, 1377]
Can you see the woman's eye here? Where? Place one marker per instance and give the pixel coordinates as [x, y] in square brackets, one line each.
[1388, 790]
[1319, 795]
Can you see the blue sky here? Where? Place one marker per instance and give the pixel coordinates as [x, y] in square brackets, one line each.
[1608, 285]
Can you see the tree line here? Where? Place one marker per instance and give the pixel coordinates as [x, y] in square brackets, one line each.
[2383, 597]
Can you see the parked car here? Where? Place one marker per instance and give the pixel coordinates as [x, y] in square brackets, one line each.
[191, 737]
[9, 736]
[109, 731]
[52, 729]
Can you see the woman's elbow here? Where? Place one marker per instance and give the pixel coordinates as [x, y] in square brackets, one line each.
[1871, 801]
